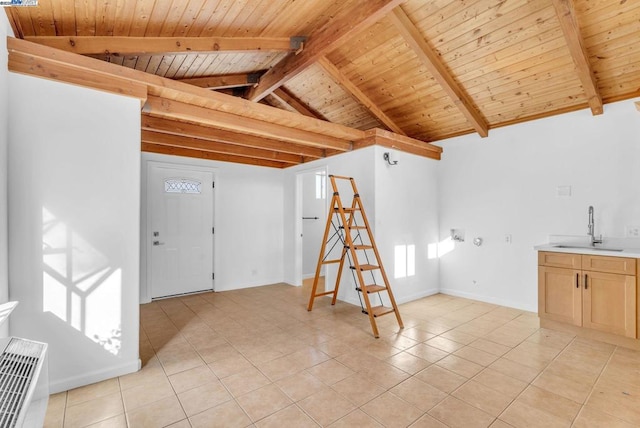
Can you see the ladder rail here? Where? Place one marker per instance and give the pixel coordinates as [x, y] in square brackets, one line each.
[377, 256]
[347, 224]
[321, 257]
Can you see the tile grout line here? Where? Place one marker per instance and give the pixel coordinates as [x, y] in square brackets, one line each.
[593, 387]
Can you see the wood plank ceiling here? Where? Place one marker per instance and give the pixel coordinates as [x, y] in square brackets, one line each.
[427, 70]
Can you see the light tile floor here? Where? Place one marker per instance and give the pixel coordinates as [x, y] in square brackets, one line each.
[256, 357]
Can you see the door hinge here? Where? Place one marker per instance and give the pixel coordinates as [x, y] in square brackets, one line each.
[213, 276]
[213, 230]
[213, 184]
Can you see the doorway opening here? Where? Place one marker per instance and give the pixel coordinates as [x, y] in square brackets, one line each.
[311, 216]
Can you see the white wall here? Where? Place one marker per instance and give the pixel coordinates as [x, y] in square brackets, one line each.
[357, 164]
[5, 30]
[248, 221]
[401, 206]
[74, 192]
[407, 214]
[506, 184]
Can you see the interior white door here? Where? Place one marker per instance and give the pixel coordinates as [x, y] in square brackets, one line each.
[180, 223]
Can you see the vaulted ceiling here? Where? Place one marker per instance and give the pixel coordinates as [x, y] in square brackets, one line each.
[423, 70]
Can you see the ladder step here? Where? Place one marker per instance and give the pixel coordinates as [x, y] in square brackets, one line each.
[358, 227]
[324, 294]
[328, 262]
[373, 288]
[363, 247]
[379, 311]
[364, 268]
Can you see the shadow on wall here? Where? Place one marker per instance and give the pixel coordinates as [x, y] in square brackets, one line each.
[80, 286]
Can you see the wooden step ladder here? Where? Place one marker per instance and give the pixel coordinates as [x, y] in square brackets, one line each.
[346, 227]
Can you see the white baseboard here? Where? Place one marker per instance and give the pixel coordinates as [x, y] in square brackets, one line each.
[95, 376]
[488, 299]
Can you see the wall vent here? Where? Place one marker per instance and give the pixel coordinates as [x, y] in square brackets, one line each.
[20, 366]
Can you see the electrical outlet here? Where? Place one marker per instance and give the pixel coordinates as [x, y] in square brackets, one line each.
[507, 238]
[632, 231]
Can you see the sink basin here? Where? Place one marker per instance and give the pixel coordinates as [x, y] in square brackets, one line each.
[589, 247]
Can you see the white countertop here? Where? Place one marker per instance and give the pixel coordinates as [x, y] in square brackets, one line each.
[580, 245]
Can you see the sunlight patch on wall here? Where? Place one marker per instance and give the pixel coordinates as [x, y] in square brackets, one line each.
[80, 287]
[439, 249]
[404, 261]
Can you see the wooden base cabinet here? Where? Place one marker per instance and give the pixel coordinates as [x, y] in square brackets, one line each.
[595, 292]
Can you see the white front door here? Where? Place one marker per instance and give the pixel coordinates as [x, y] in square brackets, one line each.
[180, 219]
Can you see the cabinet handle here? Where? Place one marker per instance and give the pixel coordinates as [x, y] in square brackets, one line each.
[586, 284]
[577, 280]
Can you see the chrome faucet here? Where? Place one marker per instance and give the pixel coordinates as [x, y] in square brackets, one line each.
[592, 228]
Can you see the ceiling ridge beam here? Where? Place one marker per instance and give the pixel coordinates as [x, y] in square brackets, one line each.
[217, 147]
[430, 58]
[323, 41]
[125, 45]
[569, 23]
[362, 98]
[191, 130]
[286, 97]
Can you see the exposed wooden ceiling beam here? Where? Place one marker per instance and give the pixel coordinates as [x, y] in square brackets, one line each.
[288, 98]
[22, 63]
[114, 45]
[431, 60]
[406, 144]
[217, 147]
[224, 82]
[202, 154]
[321, 42]
[40, 59]
[190, 130]
[569, 23]
[178, 101]
[171, 109]
[350, 87]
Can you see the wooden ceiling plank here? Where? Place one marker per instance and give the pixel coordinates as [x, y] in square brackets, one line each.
[217, 147]
[86, 45]
[321, 42]
[165, 88]
[162, 107]
[185, 129]
[224, 81]
[430, 59]
[569, 24]
[14, 21]
[351, 88]
[201, 154]
[288, 98]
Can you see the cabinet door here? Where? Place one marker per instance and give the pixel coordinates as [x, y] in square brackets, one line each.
[610, 303]
[560, 294]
